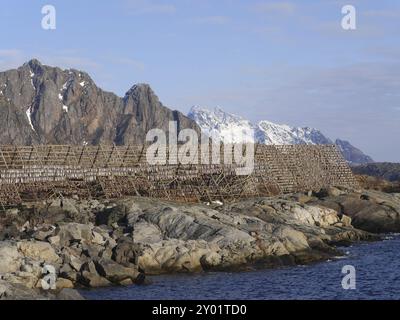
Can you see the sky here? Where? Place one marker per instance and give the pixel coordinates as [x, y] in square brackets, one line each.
[284, 61]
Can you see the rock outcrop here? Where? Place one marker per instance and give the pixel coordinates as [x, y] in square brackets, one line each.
[378, 184]
[123, 240]
[370, 210]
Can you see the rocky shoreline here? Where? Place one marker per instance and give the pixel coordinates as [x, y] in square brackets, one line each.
[65, 244]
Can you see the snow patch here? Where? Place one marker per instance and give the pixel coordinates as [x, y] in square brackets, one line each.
[223, 126]
[231, 128]
[61, 98]
[32, 75]
[281, 134]
[29, 115]
[82, 84]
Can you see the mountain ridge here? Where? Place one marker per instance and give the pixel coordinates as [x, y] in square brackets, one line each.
[232, 128]
[41, 104]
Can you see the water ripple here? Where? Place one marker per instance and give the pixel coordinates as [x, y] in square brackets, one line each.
[377, 277]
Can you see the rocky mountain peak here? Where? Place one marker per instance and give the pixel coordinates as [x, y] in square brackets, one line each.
[140, 89]
[34, 66]
[41, 104]
[141, 92]
[34, 63]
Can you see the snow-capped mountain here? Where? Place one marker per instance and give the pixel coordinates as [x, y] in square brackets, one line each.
[232, 128]
[272, 133]
[219, 124]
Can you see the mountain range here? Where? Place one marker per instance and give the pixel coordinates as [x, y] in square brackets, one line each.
[47, 105]
[232, 128]
[41, 104]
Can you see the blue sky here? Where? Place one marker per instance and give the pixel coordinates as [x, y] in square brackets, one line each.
[283, 61]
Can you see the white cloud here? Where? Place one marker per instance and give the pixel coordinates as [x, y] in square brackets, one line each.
[68, 62]
[280, 7]
[382, 13]
[268, 30]
[219, 20]
[149, 7]
[10, 53]
[14, 58]
[136, 64]
[10, 58]
[334, 28]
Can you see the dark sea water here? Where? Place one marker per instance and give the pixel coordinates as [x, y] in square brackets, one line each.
[377, 268]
